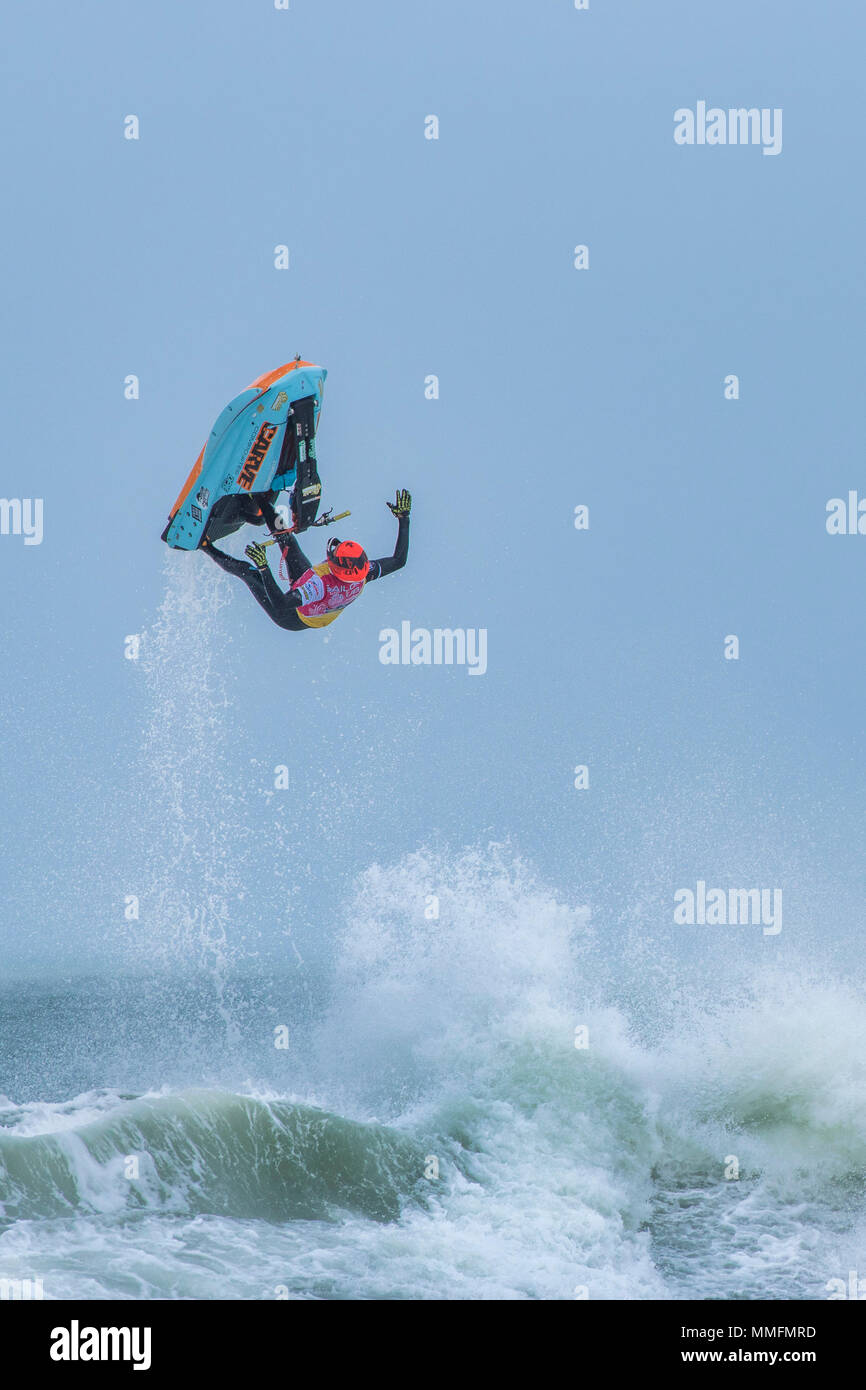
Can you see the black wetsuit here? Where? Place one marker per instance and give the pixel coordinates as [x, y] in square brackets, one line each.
[282, 608]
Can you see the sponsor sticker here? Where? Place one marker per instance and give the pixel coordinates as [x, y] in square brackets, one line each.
[256, 456]
[312, 590]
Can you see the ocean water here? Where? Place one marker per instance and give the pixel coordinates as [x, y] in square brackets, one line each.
[306, 1173]
[465, 1097]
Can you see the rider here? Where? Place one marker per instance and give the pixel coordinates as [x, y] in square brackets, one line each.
[318, 593]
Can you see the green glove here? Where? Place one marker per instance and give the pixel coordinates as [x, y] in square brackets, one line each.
[257, 554]
[402, 504]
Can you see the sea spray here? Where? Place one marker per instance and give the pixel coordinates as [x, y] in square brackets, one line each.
[189, 825]
[718, 1155]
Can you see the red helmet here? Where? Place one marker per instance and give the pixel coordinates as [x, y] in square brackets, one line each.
[348, 561]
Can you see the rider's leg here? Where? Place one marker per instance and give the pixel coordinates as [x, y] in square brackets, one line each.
[296, 561]
[263, 587]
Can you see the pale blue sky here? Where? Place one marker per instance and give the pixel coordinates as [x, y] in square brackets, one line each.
[454, 257]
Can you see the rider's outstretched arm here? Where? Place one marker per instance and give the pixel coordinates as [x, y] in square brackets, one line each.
[401, 508]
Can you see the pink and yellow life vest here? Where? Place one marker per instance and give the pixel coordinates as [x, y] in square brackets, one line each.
[324, 595]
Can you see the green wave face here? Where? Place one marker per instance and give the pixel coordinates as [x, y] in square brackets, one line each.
[212, 1153]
